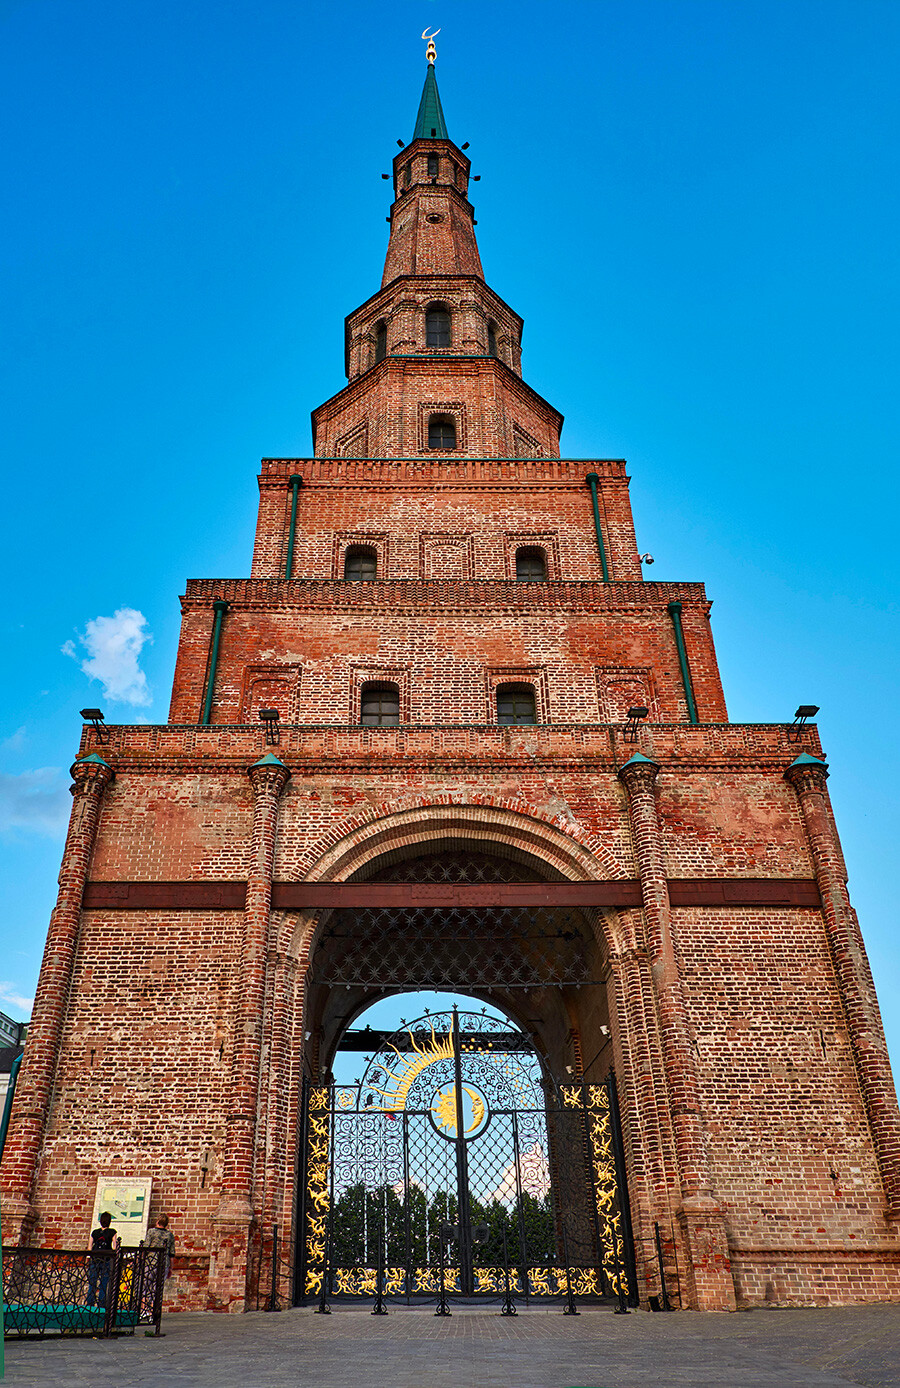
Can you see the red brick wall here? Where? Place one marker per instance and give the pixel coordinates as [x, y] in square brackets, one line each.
[392, 402]
[148, 1037]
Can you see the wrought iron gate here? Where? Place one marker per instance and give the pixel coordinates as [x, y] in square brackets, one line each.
[454, 1168]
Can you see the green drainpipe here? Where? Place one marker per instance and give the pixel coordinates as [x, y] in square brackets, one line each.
[7, 1107]
[220, 607]
[675, 614]
[296, 484]
[592, 480]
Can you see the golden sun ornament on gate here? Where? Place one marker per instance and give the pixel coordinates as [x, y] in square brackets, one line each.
[476, 1113]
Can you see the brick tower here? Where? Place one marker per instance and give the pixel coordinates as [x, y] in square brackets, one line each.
[448, 628]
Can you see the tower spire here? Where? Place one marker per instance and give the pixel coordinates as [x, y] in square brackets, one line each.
[430, 123]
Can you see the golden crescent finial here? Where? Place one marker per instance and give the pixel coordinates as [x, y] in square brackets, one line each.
[430, 51]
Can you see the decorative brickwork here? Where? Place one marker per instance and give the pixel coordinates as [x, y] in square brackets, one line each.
[724, 976]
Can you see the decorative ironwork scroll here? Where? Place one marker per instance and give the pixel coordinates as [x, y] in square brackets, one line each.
[451, 1154]
[594, 1100]
[317, 1198]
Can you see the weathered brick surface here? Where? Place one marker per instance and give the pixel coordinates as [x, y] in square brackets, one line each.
[760, 1122]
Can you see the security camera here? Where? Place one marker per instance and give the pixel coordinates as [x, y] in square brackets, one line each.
[646, 558]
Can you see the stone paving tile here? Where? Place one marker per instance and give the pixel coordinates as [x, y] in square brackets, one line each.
[474, 1349]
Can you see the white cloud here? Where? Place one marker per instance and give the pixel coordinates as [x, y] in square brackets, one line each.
[114, 646]
[15, 742]
[37, 801]
[10, 995]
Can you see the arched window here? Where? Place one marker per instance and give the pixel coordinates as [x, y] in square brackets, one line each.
[492, 340]
[381, 341]
[380, 706]
[433, 166]
[360, 564]
[531, 565]
[441, 431]
[515, 704]
[437, 326]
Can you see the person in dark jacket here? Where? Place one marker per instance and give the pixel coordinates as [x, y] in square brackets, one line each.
[103, 1241]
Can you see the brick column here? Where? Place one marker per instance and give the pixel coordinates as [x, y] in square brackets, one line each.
[227, 1283]
[700, 1213]
[91, 776]
[808, 775]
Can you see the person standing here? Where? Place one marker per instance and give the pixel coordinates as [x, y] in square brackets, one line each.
[104, 1240]
[162, 1237]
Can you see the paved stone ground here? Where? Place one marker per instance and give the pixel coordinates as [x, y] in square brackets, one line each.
[474, 1349]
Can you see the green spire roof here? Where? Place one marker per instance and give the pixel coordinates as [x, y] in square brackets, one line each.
[430, 123]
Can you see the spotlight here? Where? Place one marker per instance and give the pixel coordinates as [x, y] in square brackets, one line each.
[94, 716]
[801, 718]
[635, 715]
[270, 717]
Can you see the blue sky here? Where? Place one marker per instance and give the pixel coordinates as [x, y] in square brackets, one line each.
[695, 207]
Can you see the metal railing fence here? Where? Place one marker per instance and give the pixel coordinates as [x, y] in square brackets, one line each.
[74, 1292]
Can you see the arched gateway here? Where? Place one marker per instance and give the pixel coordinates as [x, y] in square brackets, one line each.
[470, 1149]
[392, 765]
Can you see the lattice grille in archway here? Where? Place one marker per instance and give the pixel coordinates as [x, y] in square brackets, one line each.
[455, 947]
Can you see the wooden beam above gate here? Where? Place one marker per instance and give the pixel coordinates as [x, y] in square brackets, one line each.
[312, 896]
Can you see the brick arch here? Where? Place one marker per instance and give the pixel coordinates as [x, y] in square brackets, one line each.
[565, 848]
[559, 842]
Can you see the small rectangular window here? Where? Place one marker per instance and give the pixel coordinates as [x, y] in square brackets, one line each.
[360, 564]
[515, 705]
[433, 166]
[531, 565]
[380, 706]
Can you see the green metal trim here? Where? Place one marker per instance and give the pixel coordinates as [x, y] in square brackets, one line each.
[674, 610]
[7, 1107]
[295, 483]
[805, 759]
[638, 759]
[269, 759]
[593, 480]
[220, 607]
[430, 123]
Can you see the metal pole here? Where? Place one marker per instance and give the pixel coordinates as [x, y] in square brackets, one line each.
[379, 1309]
[592, 479]
[462, 1170]
[273, 1298]
[507, 1309]
[520, 1211]
[666, 1304]
[570, 1309]
[406, 1210]
[442, 1309]
[296, 483]
[220, 607]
